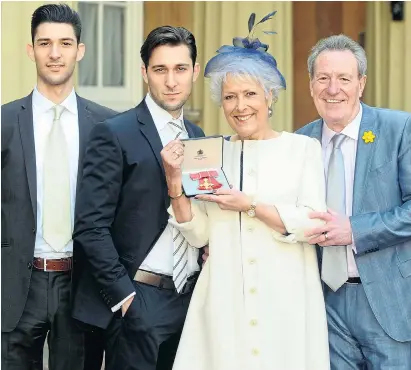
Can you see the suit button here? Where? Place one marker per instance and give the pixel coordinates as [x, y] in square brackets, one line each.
[29, 265]
[255, 352]
[33, 230]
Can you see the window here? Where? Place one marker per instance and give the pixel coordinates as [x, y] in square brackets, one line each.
[110, 70]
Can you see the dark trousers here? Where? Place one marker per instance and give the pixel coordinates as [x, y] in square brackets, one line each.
[47, 311]
[94, 348]
[146, 338]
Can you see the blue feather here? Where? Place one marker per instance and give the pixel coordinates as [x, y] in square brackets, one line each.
[251, 21]
[267, 17]
[247, 49]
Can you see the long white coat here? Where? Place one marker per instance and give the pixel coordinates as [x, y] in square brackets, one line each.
[258, 303]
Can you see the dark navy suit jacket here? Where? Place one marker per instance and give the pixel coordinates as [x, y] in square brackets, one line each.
[121, 211]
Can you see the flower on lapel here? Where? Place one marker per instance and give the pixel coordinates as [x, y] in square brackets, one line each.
[368, 137]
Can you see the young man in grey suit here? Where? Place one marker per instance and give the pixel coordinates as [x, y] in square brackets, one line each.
[43, 139]
[365, 242]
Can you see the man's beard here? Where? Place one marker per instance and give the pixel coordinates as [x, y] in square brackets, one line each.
[60, 80]
[170, 107]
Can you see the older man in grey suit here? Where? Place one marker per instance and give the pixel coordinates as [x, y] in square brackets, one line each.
[366, 240]
[43, 139]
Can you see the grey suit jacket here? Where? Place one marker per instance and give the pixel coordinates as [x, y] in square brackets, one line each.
[19, 197]
[381, 220]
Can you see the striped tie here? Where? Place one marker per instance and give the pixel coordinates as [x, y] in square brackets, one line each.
[180, 256]
[176, 126]
[181, 246]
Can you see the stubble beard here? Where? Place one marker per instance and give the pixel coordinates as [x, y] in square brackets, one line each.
[58, 81]
[171, 108]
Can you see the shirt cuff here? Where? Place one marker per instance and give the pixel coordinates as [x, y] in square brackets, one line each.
[118, 305]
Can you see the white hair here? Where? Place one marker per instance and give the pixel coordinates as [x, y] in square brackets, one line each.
[339, 43]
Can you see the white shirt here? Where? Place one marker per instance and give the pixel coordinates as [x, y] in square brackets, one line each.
[160, 259]
[43, 116]
[349, 152]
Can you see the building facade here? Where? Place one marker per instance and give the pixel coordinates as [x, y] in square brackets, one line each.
[113, 32]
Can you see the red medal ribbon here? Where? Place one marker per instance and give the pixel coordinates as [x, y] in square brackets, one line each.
[206, 180]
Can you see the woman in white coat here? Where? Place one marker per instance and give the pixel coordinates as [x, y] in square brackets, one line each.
[258, 302]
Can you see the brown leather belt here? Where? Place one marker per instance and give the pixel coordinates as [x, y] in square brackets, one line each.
[164, 281]
[61, 264]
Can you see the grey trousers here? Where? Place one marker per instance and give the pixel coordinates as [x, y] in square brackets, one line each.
[47, 311]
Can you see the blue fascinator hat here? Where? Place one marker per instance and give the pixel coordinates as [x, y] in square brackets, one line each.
[248, 48]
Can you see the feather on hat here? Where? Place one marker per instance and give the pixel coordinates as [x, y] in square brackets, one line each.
[248, 48]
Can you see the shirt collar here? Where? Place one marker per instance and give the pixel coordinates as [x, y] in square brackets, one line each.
[160, 116]
[351, 130]
[41, 104]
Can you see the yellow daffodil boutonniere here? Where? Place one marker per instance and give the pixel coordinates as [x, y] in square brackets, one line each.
[368, 137]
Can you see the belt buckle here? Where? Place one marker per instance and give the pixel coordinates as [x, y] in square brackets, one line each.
[45, 265]
[161, 283]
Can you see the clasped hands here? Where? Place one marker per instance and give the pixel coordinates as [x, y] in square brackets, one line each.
[227, 199]
[336, 230]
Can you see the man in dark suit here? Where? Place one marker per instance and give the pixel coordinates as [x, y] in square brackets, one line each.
[43, 138]
[133, 285]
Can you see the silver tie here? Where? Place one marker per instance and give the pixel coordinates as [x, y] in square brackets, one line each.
[334, 262]
[181, 246]
[57, 228]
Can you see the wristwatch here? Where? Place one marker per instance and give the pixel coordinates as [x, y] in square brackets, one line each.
[251, 211]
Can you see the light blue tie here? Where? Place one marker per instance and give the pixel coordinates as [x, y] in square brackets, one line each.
[334, 264]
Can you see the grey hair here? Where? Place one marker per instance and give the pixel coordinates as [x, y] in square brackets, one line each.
[242, 69]
[340, 43]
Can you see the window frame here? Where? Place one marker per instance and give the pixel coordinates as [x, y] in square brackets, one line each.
[125, 97]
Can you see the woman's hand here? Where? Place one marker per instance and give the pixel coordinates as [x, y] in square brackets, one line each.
[173, 157]
[228, 199]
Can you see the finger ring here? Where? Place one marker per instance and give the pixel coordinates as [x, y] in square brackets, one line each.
[326, 236]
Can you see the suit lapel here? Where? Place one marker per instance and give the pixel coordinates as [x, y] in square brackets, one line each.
[85, 125]
[317, 131]
[25, 122]
[365, 153]
[190, 131]
[149, 130]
